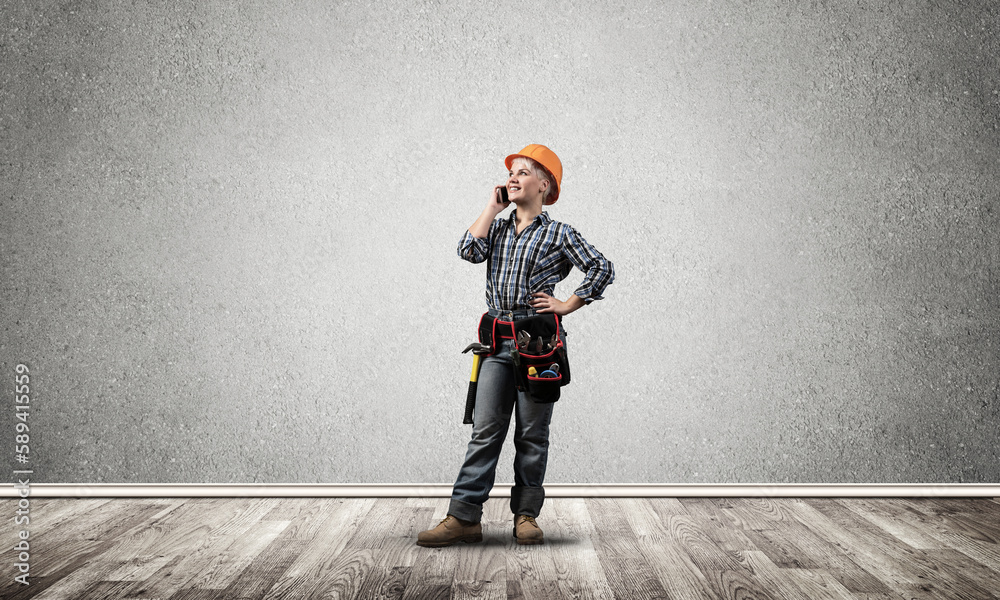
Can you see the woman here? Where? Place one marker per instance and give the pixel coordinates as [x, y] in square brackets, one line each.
[527, 254]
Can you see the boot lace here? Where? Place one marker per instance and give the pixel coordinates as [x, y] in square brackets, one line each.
[523, 518]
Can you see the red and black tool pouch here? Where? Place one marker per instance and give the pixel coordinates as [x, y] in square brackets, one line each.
[552, 350]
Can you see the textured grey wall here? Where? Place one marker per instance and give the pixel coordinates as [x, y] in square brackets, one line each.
[229, 235]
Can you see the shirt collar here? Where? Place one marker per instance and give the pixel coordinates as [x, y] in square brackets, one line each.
[542, 219]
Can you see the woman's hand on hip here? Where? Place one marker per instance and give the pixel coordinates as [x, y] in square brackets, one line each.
[544, 303]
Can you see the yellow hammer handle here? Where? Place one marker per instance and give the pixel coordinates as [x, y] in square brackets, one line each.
[475, 368]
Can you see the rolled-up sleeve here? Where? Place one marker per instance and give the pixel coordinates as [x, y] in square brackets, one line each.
[600, 272]
[473, 249]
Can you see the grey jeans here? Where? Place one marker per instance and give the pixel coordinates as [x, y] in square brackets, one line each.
[497, 399]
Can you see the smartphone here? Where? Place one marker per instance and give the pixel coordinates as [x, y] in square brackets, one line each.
[503, 195]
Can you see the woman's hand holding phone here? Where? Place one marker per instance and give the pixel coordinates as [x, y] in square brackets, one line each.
[497, 203]
[498, 200]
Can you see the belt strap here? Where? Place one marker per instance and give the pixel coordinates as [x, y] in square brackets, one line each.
[493, 330]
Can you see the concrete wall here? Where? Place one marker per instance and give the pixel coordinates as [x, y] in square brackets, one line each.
[229, 235]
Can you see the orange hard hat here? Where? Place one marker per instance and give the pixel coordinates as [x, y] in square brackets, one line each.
[548, 160]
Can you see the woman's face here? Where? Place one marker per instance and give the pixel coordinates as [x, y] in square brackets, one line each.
[522, 184]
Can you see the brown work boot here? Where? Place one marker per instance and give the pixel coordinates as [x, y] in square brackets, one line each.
[450, 530]
[526, 531]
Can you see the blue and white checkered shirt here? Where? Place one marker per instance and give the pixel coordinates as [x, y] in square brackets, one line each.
[534, 261]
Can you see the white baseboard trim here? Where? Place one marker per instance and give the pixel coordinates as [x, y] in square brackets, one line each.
[554, 490]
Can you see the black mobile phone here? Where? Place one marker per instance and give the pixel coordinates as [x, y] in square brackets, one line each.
[503, 195]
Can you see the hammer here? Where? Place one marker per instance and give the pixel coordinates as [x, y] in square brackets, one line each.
[478, 350]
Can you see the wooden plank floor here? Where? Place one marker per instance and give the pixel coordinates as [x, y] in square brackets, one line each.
[740, 548]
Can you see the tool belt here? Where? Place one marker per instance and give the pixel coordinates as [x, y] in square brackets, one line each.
[539, 355]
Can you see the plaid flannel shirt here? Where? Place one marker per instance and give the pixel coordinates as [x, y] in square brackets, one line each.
[534, 261]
